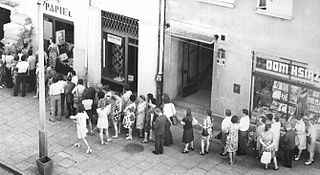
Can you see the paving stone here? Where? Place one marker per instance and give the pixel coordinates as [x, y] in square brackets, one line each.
[196, 171]
[118, 170]
[134, 171]
[223, 167]
[153, 172]
[214, 172]
[188, 164]
[161, 167]
[63, 154]
[178, 170]
[66, 163]
[144, 165]
[128, 163]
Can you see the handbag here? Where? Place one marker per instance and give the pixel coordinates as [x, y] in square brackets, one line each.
[205, 132]
[266, 157]
[174, 120]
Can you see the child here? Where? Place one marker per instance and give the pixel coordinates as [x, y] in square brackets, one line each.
[103, 123]
[148, 120]
[187, 136]
[129, 119]
[80, 120]
[206, 133]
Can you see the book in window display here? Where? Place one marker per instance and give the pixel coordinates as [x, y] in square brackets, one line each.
[293, 98]
[277, 85]
[276, 94]
[282, 107]
[294, 89]
[284, 96]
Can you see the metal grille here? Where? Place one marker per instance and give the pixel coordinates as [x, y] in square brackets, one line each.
[120, 23]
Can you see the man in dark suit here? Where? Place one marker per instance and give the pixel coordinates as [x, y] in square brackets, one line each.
[288, 145]
[159, 130]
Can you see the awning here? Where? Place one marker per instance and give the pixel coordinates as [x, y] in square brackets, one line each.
[192, 32]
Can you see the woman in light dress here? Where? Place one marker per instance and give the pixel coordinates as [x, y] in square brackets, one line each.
[301, 139]
[129, 116]
[207, 125]
[267, 142]
[232, 139]
[140, 114]
[103, 122]
[312, 134]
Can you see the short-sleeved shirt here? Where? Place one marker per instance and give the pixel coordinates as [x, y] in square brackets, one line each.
[22, 66]
[87, 104]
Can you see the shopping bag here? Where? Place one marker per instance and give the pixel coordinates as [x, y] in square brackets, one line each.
[266, 157]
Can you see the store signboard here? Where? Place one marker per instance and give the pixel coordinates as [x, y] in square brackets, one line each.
[287, 69]
[55, 8]
[114, 39]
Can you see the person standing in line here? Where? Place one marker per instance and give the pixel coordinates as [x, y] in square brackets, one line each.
[32, 71]
[267, 142]
[312, 134]
[187, 136]
[80, 120]
[226, 122]
[232, 139]
[243, 132]
[73, 75]
[148, 121]
[159, 131]
[103, 122]
[260, 129]
[63, 83]
[300, 136]
[22, 70]
[169, 110]
[78, 93]
[288, 145]
[116, 114]
[87, 104]
[69, 96]
[9, 60]
[129, 116]
[55, 91]
[140, 114]
[206, 133]
[275, 128]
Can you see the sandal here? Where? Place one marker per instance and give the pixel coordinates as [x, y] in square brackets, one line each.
[207, 152]
[202, 153]
[115, 137]
[89, 151]
[144, 141]
[191, 148]
[185, 151]
[276, 169]
[76, 145]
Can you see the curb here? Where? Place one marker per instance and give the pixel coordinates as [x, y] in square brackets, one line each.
[11, 169]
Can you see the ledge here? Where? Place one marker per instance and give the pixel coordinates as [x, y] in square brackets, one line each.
[268, 13]
[217, 2]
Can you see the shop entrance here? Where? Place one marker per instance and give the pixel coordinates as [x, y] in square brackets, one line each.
[4, 19]
[197, 60]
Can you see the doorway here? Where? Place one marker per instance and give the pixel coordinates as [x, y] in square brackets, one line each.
[197, 60]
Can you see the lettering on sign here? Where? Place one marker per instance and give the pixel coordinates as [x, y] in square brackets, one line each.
[57, 9]
[288, 69]
[114, 39]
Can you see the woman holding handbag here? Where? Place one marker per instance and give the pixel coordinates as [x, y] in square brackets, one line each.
[169, 110]
[267, 143]
[206, 133]
[187, 136]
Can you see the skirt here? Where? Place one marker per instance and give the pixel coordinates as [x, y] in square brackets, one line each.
[82, 133]
[103, 123]
[187, 136]
[140, 120]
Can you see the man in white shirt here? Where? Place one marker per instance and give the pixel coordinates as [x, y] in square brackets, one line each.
[243, 132]
[55, 91]
[22, 69]
[226, 122]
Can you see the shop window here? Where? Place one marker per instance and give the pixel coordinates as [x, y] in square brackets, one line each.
[275, 8]
[284, 99]
[224, 3]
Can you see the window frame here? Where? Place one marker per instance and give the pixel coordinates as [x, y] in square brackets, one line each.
[263, 10]
[223, 3]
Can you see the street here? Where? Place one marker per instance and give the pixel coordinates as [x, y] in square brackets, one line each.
[19, 149]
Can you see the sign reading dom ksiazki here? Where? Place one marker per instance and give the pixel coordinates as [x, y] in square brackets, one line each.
[290, 68]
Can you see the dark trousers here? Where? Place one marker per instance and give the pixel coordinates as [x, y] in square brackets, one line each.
[243, 140]
[158, 144]
[9, 83]
[63, 99]
[288, 156]
[21, 79]
[167, 135]
[32, 80]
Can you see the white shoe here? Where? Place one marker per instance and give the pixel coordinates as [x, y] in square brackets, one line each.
[109, 140]
[128, 138]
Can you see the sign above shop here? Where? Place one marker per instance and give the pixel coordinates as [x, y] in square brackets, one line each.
[114, 39]
[55, 8]
[291, 69]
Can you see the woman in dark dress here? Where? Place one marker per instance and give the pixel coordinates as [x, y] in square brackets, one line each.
[187, 136]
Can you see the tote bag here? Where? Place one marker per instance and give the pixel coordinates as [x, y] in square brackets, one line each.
[266, 157]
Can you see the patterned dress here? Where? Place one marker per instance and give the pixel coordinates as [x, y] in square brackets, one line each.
[129, 116]
[267, 138]
[232, 138]
[141, 113]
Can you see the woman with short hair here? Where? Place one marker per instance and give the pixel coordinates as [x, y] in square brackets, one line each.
[232, 139]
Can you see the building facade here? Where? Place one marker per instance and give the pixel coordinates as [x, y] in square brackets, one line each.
[235, 54]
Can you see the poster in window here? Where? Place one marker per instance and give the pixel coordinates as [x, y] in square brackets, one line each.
[310, 100]
[292, 110]
[294, 89]
[282, 107]
[285, 87]
[293, 98]
[274, 105]
[60, 37]
[316, 102]
[276, 94]
[316, 94]
[277, 85]
[284, 96]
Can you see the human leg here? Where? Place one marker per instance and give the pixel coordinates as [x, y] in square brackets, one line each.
[89, 150]
[101, 136]
[275, 163]
[58, 99]
[23, 82]
[208, 144]
[53, 107]
[17, 85]
[115, 125]
[202, 146]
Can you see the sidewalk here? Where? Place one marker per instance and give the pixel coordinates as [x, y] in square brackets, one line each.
[19, 149]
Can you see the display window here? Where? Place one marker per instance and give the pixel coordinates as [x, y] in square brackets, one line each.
[276, 90]
[119, 63]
